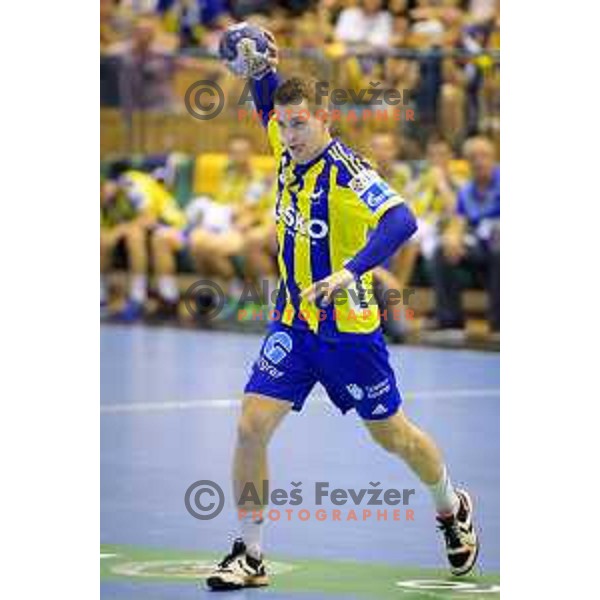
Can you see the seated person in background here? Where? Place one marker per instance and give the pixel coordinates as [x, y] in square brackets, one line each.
[245, 193]
[433, 194]
[432, 197]
[472, 239]
[131, 207]
[384, 152]
[216, 226]
[260, 246]
[364, 27]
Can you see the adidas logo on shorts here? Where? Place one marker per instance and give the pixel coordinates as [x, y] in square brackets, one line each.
[379, 410]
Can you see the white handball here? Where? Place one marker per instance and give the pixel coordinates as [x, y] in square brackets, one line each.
[245, 50]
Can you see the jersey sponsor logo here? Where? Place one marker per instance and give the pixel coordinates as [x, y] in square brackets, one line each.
[371, 188]
[294, 221]
[378, 193]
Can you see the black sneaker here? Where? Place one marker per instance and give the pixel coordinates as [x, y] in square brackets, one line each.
[462, 545]
[238, 570]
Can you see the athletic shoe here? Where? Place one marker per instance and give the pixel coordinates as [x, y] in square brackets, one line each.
[462, 545]
[238, 570]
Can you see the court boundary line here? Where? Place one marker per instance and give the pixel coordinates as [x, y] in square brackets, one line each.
[226, 403]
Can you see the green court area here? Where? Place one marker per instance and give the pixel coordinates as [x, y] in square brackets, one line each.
[291, 577]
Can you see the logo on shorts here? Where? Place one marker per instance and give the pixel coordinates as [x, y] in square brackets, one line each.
[355, 391]
[380, 409]
[277, 347]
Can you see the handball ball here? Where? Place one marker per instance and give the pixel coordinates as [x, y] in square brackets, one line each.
[244, 49]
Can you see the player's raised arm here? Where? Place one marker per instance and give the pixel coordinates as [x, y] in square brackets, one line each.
[251, 53]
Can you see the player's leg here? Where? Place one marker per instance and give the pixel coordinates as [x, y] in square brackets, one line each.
[368, 384]
[165, 243]
[259, 419]
[281, 380]
[402, 438]
[243, 566]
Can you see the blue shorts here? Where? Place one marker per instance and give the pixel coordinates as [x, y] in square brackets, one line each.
[354, 370]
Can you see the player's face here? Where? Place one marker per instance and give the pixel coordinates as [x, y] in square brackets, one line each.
[383, 148]
[304, 135]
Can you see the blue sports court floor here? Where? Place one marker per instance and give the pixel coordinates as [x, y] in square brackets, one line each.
[169, 402]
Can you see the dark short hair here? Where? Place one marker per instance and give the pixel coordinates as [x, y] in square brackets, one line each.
[294, 90]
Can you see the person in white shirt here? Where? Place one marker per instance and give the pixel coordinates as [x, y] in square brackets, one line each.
[367, 24]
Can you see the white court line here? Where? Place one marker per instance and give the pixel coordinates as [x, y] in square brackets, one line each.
[142, 407]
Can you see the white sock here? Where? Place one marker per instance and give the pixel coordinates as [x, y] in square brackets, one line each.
[103, 290]
[138, 291]
[167, 288]
[445, 498]
[251, 532]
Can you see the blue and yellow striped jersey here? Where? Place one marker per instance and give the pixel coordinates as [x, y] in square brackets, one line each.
[325, 209]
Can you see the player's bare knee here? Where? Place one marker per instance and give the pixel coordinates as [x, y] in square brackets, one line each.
[253, 429]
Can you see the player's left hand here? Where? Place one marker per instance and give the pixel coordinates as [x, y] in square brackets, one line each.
[325, 288]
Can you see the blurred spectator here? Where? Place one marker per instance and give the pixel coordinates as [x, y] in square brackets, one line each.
[384, 152]
[433, 194]
[472, 239]
[481, 11]
[192, 19]
[245, 194]
[131, 207]
[147, 68]
[451, 108]
[108, 31]
[366, 26]
[242, 9]
[216, 231]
